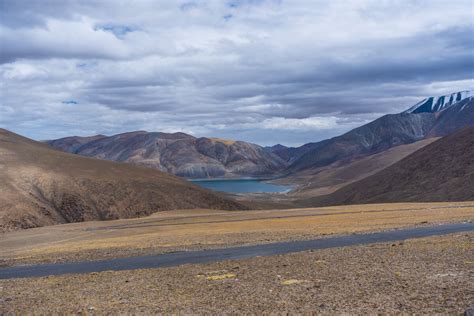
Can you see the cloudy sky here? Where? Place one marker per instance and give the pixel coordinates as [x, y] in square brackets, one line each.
[268, 72]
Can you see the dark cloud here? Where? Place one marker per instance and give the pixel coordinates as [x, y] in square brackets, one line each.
[26, 14]
[263, 71]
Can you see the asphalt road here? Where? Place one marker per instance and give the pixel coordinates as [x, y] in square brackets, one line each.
[242, 252]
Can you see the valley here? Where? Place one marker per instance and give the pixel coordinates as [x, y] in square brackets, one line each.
[387, 160]
[352, 223]
[313, 169]
[237, 157]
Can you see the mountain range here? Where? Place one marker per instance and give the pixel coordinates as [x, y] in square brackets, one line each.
[385, 132]
[187, 156]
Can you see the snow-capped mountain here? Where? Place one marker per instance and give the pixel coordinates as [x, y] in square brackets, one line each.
[439, 103]
[432, 117]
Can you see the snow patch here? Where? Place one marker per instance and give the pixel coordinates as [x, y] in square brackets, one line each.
[440, 103]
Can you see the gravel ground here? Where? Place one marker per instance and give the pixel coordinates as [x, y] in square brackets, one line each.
[424, 276]
[182, 230]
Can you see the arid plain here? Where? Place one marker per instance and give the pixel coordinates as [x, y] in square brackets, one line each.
[428, 275]
[203, 229]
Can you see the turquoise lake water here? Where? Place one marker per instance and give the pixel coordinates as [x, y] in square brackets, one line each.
[242, 186]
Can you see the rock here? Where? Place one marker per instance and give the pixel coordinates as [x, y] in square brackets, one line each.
[451, 302]
[221, 277]
[469, 311]
[292, 281]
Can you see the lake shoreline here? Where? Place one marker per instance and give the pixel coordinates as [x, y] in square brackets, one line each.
[243, 185]
[232, 179]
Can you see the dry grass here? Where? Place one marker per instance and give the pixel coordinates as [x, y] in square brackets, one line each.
[423, 276]
[185, 230]
[221, 140]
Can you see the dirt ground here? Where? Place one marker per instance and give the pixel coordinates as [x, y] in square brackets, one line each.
[424, 276]
[205, 229]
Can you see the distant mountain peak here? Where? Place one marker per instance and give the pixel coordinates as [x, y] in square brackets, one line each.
[275, 148]
[439, 103]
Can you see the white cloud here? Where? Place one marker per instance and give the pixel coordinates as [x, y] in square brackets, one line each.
[308, 69]
[69, 39]
[306, 124]
[23, 71]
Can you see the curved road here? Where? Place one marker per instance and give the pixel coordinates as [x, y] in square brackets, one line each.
[242, 252]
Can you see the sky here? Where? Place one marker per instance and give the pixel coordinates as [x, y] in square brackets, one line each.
[267, 72]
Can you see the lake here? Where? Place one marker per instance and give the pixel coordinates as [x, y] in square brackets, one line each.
[242, 186]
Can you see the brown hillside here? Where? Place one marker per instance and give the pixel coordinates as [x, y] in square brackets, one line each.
[328, 179]
[43, 186]
[441, 171]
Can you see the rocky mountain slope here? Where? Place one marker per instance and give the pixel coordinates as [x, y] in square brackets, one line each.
[453, 118]
[441, 171]
[443, 116]
[72, 143]
[178, 153]
[383, 133]
[325, 180]
[43, 186]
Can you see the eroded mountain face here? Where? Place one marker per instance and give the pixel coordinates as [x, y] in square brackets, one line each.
[179, 154]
